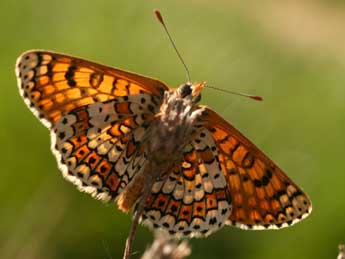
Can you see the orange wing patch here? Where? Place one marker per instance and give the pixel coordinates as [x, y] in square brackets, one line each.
[262, 195]
[54, 84]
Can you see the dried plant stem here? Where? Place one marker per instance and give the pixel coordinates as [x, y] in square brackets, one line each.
[131, 236]
[138, 211]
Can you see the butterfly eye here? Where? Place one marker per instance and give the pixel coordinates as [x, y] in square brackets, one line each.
[185, 90]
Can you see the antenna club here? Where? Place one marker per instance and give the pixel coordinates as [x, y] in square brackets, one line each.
[257, 98]
[159, 16]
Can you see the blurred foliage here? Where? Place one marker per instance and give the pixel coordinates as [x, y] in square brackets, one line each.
[233, 45]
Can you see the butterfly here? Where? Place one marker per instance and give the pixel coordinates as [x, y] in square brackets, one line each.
[118, 135]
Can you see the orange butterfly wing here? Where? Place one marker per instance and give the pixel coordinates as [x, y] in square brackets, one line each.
[54, 84]
[262, 195]
[97, 116]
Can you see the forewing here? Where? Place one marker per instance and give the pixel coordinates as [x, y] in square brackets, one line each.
[194, 199]
[54, 84]
[262, 195]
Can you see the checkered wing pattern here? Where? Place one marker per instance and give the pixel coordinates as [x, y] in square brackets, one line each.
[194, 199]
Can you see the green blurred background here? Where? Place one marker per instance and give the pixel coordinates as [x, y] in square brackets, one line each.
[290, 52]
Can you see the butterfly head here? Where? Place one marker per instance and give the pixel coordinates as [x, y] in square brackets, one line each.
[192, 91]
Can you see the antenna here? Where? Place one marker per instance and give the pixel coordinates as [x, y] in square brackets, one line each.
[160, 19]
[254, 97]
